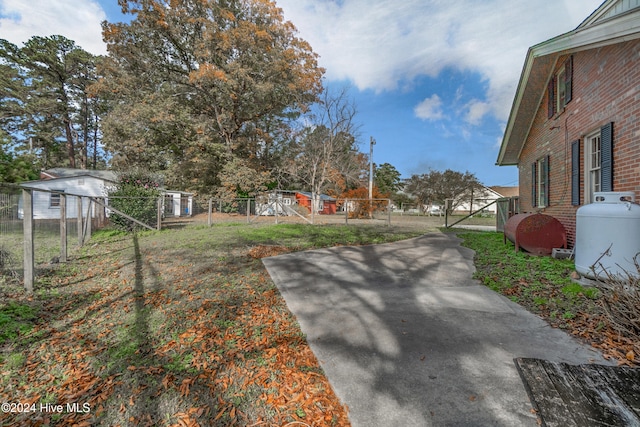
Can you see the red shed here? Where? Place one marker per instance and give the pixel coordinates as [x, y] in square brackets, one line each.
[326, 204]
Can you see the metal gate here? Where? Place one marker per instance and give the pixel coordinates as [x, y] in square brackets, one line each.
[506, 208]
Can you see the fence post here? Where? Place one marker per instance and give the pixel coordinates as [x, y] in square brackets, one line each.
[346, 211]
[79, 220]
[248, 211]
[446, 213]
[313, 208]
[210, 213]
[63, 228]
[27, 224]
[100, 212]
[88, 223]
[389, 212]
[159, 220]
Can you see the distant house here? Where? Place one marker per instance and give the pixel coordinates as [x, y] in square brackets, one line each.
[574, 124]
[281, 200]
[88, 183]
[486, 197]
[506, 191]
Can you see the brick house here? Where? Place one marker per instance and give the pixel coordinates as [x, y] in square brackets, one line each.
[574, 127]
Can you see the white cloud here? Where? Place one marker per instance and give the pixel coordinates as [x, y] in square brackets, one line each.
[430, 108]
[475, 111]
[384, 45]
[77, 20]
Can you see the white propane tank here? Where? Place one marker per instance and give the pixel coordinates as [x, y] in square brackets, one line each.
[608, 236]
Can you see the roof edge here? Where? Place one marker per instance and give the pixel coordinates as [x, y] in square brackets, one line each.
[624, 27]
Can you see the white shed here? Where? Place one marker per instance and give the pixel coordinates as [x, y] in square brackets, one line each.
[46, 204]
[89, 183]
[178, 203]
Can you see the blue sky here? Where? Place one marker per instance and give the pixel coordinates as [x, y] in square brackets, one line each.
[433, 80]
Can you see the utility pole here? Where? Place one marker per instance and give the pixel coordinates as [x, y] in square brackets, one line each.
[371, 144]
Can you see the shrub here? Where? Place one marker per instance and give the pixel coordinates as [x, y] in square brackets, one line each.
[135, 195]
[621, 302]
[360, 206]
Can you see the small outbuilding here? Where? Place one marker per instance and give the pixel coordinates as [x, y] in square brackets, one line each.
[325, 205]
[88, 183]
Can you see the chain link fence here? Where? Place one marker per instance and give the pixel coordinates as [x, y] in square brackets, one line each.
[40, 228]
[289, 209]
[10, 235]
[283, 210]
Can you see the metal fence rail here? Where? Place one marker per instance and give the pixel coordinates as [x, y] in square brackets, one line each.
[40, 228]
[279, 210]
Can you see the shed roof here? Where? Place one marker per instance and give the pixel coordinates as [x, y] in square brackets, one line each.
[72, 173]
[322, 196]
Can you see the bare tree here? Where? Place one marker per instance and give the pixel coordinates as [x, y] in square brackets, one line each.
[326, 151]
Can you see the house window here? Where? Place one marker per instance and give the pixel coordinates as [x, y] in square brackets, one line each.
[560, 88]
[598, 162]
[540, 183]
[54, 199]
[593, 164]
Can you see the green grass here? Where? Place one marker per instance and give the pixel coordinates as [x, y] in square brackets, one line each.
[541, 284]
[152, 327]
[16, 319]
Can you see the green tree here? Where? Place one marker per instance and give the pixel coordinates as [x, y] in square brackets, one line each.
[193, 85]
[14, 169]
[436, 187]
[418, 186]
[387, 179]
[402, 200]
[44, 100]
[12, 90]
[241, 181]
[135, 195]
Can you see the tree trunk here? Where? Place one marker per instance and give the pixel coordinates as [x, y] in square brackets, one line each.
[70, 145]
[95, 143]
[85, 137]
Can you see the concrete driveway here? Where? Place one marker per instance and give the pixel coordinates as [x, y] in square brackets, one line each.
[407, 338]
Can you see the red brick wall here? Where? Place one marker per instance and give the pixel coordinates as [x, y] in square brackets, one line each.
[606, 88]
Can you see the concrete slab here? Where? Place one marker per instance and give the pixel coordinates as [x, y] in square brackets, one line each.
[407, 337]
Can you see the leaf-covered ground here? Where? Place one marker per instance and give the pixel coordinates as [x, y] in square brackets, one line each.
[185, 328]
[543, 285]
[172, 328]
